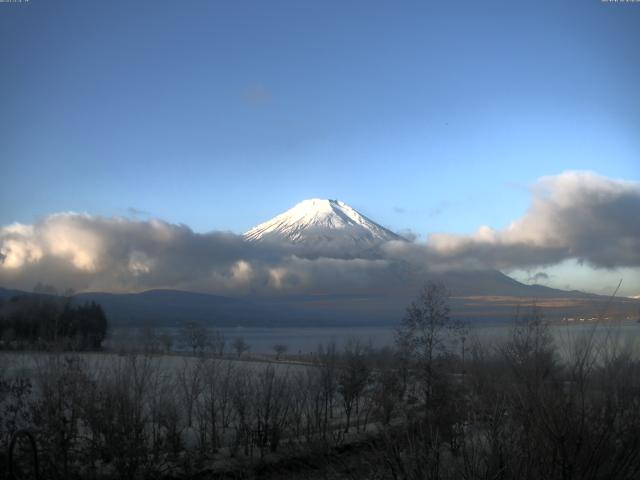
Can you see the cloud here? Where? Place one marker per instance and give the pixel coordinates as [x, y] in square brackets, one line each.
[91, 252]
[137, 212]
[577, 215]
[88, 252]
[580, 216]
[539, 277]
[408, 234]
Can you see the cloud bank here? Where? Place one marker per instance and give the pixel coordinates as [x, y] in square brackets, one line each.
[116, 254]
[574, 215]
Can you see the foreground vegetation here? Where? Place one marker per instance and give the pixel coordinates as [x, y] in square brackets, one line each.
[437, 406]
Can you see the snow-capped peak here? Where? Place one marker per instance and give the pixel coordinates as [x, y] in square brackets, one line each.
[318, 220]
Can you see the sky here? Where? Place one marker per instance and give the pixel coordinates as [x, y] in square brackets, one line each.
[429, 117]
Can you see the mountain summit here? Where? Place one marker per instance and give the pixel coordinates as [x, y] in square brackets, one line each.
[317, 222]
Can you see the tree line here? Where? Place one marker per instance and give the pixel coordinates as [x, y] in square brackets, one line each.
[43, 321]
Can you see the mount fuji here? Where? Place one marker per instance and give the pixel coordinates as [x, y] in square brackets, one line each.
[318, 222]
[333, 231]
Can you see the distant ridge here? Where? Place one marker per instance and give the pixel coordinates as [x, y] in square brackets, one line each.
[496, 301]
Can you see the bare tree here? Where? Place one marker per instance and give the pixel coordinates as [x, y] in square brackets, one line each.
[387, 392]
[57, 411]
[271, 408]
[328, 359]
[242, 390]
[280, 350]
[218, 343]
[299, 400]
[426, 333]
[194, 336]
[240, 346]
[217, 406]
[166, 340]
[352, 378]
[530, 350]
[149, 339]
[190, 382]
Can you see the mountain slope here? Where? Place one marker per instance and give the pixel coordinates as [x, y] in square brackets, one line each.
[317, 222]
[175, 307]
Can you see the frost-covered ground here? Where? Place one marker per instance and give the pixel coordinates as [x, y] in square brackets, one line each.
[29, 364]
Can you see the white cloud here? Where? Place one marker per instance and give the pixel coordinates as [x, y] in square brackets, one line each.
[140, 263]
[18, 246]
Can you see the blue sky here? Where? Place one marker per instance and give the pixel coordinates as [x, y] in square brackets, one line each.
[432, 116]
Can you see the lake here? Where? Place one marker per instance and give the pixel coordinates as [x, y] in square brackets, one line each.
[306, 340]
